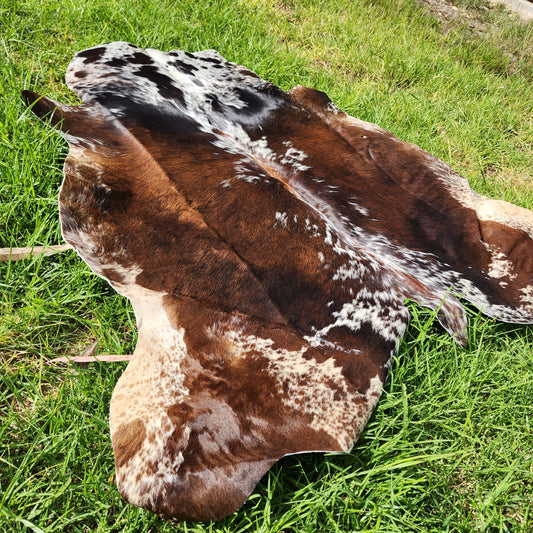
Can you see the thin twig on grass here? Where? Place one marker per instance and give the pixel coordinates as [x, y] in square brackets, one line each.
[87, 356]
[17, 254]
[90, 358]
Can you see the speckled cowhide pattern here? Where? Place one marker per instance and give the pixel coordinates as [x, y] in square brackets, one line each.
[267, 242]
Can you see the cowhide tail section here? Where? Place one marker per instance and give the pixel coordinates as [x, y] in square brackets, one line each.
[267, 242]
[207, 407]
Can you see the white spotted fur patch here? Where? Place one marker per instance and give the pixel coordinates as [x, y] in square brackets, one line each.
[152, 382]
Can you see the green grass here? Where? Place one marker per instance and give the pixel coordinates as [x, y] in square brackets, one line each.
[450, 445]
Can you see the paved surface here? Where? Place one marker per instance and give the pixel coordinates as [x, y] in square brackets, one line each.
[523, 8]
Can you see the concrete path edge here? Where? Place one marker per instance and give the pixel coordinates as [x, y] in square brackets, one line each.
[523, 8]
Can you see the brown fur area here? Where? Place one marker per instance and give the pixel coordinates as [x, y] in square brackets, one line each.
[132, 436]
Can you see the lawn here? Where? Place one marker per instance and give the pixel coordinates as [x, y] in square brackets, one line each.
[450, 446]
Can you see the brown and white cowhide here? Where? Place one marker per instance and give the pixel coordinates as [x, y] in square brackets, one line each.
[267, 242]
